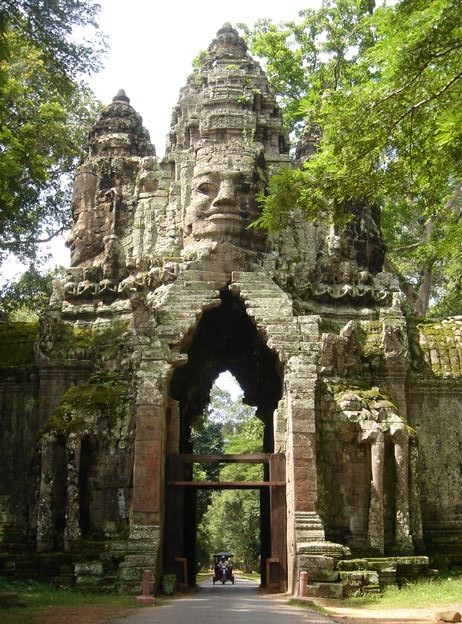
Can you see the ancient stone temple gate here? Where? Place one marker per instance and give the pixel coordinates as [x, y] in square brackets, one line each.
[169, 286]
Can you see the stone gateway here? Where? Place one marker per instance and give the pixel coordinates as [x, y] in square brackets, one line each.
[170, 285]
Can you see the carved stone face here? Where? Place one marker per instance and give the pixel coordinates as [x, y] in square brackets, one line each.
[223, 201]
[82, 242]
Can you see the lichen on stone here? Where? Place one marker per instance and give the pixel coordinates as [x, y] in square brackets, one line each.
[17, 341]
[80, 403]
[440, 345]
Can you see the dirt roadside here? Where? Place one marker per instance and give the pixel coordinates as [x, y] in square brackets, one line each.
[101, 614]
[351, 615]
[83, 614]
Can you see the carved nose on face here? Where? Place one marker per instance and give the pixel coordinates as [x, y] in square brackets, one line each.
[226, 194]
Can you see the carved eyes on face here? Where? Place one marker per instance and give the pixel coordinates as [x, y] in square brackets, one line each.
[207, 189]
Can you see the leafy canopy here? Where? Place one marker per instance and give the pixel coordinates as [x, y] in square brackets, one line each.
[44, 115]
[379, 92]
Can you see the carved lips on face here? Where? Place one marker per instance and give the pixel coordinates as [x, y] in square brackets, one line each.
[223, 204]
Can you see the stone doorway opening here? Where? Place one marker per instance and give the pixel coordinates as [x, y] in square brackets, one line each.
[225, 339]
[182, 498]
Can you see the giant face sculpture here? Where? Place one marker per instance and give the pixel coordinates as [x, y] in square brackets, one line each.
[82, 241]
[225, 183]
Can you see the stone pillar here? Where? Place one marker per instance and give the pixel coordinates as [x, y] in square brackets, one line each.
[143, 548]
[403, 541]
[45, 530]
[376, 537]
[303, 521]
[72, 532]
[148, 467]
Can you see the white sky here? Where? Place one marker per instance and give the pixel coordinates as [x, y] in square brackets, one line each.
[152, 46]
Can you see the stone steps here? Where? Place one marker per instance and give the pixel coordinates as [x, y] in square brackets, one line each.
[331, 578]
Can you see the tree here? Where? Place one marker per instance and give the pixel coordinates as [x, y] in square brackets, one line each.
[231, 520]
[319, 53]
[44, 116]
[391, 134]
[29, 295]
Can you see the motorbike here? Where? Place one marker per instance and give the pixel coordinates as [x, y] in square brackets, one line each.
[223, 568]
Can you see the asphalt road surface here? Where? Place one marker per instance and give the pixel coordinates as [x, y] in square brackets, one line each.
[241, 603]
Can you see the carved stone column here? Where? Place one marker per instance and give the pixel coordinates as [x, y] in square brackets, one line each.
[403, 541]
[376, 537]
[45, 532]
[72, 532]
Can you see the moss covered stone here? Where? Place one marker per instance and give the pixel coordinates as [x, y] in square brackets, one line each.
[17, 341]
[80, 402]
[439, 344]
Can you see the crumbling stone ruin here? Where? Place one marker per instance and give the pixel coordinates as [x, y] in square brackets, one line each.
[169, 285]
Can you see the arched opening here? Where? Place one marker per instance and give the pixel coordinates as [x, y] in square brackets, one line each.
[228, 520]
[225, 339]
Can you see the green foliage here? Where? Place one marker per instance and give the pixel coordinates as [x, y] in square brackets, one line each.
[385, 88]
[445, 589]
[29, 295]
[79, 402]
[49, 26]
[41, 597]
[234, 525]
[199, 59]
[305, 59]
[44, 116]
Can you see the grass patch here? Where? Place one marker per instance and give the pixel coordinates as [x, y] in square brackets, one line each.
[39, 598]
[249, 576]
[37, 594]
[444, 589]
[246, 576]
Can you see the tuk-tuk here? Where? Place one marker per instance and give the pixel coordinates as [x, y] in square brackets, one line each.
[223, 568]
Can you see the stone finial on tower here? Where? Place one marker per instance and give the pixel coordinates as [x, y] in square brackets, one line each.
[227, 98]
[119, 131]
[121, 96]
[229, 41]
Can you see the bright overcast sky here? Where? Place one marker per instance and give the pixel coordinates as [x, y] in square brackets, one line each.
[151, 48]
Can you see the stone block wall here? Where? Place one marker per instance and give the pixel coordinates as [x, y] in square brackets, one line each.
[434, 399]
[19, 422]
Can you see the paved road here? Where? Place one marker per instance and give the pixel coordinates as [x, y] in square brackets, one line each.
[225, 604]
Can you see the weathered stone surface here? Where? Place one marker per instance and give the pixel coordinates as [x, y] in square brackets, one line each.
[325, 590]
[448, 616]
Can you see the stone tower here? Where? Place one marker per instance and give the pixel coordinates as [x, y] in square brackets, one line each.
[168, 287]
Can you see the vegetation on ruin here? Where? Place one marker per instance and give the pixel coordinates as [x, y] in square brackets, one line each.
[105, 391]
[378, 90]
[17, 341]
[45, 111]
[104, 340]
[82, 401]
